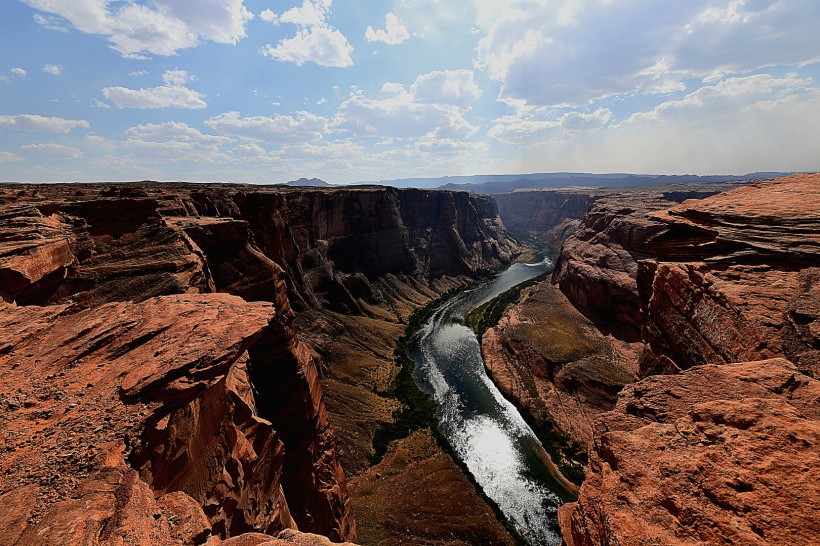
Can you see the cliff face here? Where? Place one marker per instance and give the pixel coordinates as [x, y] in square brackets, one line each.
[724, 451]
[147, 412]
[547, 216]
[598, 264]
[737, 278]
[716, 455]
[145, 404]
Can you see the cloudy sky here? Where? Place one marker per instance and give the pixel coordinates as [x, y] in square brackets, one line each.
[355, 90]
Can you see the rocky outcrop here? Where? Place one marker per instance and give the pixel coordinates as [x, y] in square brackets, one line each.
[174, 387]
[598, 264]
[549, 216]
[552, 363]
[724, 449]
[737, 278]
[716, 455]
[203, 422]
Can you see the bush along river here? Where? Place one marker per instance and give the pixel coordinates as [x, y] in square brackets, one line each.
[484, 430]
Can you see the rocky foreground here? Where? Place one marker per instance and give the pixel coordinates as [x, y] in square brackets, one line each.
[719, 442]
[159, 383]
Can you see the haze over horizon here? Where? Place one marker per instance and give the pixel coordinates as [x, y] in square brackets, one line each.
[266, 92]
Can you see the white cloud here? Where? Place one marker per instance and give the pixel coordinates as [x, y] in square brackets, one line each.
[526, 128]
[53, 69]
[394, 32]
[171, 95]
[279, 129]
[269, 16]
[572, 53]
[457, 87]
[315, 40]
[744, 124]
[8, 157]
[138, 73]
[49, 22]
[160, 27]
[176, 77]
[97, 103]
[401, 117]
[51, 151]
[33, 122]
[17, 71]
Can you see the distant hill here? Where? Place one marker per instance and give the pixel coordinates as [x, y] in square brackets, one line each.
[312, 182]
[511, 182]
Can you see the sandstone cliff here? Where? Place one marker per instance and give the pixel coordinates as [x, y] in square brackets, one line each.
[549, 216]
[737, 278]
[725, 450]
[203, 415]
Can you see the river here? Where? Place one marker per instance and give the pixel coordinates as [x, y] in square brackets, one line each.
[485, 430]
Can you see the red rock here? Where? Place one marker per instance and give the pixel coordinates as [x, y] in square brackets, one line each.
[737, 278]
[169, 380]
[717, 455]
[598, 265]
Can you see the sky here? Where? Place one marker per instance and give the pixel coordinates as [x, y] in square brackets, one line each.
[256, 91]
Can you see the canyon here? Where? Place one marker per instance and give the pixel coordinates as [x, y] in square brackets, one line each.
[679, 342]
[209, 364]
[176, 358]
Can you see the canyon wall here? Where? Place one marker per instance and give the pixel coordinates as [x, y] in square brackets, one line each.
[725, 449]
[177, 413]
[549, 216]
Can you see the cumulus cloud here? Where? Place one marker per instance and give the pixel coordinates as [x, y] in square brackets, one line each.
[394, 32]
[53, 69]
[159, 27]
[8, 157]
[434, 107]
[402, 117]
[17, 71]
[571, 53]
[456, 87]
[51, 151]
[528, 129]
[269, 16]
[279, 129]
[33, 122]
[171, 95]
[315, 40]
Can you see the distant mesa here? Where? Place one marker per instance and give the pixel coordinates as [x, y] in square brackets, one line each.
[310, 182]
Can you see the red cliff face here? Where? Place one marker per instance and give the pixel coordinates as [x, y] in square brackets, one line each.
[716, 455]
[144, 404]
[737, 278]
[724, 450]
[598, 264]
[147, 412]
[549, 216]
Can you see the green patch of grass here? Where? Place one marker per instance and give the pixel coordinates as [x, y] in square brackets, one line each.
[488, 315]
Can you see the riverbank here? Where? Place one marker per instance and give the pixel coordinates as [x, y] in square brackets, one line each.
[558, 370]
[414, 491]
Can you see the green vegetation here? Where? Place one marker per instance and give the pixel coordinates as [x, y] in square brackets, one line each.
[486, 316]
[418, 411]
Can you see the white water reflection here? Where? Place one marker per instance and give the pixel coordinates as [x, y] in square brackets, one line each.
[485, 430]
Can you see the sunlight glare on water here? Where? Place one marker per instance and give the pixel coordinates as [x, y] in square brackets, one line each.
[486, 431]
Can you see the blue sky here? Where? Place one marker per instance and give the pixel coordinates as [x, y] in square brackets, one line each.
[269, 91]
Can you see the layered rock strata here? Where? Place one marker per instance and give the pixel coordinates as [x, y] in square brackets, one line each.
[737, 278]
[597, 267]
[247, 446]
[151, 413]
[717, 455]
[725, 449]
[549, 216]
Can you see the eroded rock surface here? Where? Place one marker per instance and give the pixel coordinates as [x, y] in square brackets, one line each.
[717, 455]
[552, 362]
[737, 278]
[598, 264]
